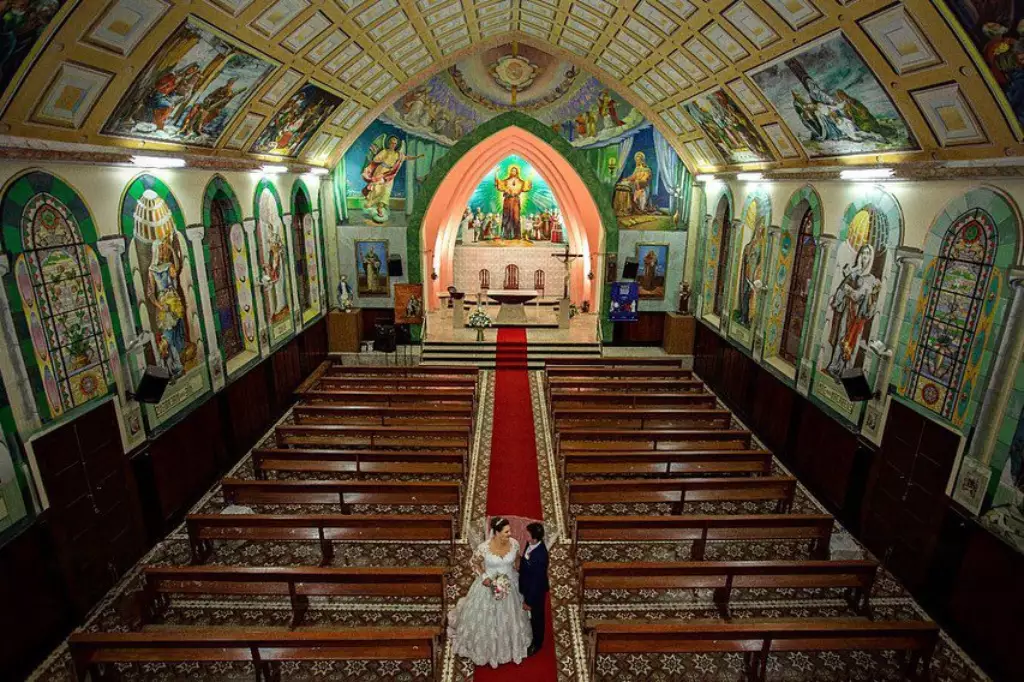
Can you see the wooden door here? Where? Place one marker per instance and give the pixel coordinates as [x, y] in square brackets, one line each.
[906, 499]
[94, 508]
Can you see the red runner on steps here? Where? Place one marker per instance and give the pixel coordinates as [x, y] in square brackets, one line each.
[513, 486]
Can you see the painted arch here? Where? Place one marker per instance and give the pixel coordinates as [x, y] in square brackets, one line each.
[712, 246]
[275, 274]
[163, 286]
[59, 286]
[309, 249]
[957, 322]
[748, 265]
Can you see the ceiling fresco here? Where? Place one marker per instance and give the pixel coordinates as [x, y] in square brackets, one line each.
[730, 83]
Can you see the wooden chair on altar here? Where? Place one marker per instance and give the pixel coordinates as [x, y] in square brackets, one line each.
[485, 280]
[538, 284]
[511, 278]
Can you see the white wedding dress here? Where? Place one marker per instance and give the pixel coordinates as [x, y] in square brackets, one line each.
[486, 630]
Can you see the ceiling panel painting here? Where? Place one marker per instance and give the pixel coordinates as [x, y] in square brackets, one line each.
[724, 123]
[915, 82]
[293, 126]
[191, 90]
[832, 102]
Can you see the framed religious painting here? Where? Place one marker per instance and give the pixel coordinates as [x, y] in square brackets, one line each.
[653, 266]
[372, 268]
[408, 304]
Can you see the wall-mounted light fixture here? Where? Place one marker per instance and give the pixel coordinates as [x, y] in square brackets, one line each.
[158, 162]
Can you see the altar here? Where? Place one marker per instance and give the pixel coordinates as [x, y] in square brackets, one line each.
[512, 301]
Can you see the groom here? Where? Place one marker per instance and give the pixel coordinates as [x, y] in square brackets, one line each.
[533, 583]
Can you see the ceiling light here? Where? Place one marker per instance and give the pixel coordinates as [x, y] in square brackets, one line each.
[319, 171]
[158, 162]
[705, 177]
[750, 177]
[866, 174]
[274, 170]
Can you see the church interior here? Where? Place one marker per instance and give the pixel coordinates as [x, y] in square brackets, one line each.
[312, 310]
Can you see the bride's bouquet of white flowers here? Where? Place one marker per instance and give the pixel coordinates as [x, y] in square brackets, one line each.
[500, 586]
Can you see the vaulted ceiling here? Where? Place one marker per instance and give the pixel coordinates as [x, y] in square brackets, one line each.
[661, 55]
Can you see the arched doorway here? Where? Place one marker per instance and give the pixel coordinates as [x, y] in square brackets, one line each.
[591, 228]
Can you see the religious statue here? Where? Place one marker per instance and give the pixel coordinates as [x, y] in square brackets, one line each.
[345, 294]
[684, 298]
[384, 160]
[511, 188]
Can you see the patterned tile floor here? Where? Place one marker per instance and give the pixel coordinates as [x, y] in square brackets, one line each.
[120, 610]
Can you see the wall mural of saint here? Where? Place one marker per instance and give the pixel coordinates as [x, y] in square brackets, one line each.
[383, 162]
[512, 188]
[274, 258]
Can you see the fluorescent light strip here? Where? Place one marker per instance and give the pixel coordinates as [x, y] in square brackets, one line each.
[158, 162]
[866, 174]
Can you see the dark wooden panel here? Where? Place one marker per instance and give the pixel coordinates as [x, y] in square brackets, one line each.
[823, 454]
[38, 609]
[906, 501]
[286, 375]
[772, 410]
[987, 604]
[649, 330]
[313, 347]
[374, 316]
[94, 511]
[185, 461]
[246, 412]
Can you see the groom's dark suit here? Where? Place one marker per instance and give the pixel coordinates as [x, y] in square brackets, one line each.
[533, 585]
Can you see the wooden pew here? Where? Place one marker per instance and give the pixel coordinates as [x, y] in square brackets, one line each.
[365, 383]
[623, 400]
[655, 385]
[342, 493]
[384, 415]
[640, 418]
[625, 373]
[580, 464]
[607, 440]
[296, 583]
[460, 396]
[313, 460]
[349, 437]
[93, 652]
[723, 577]
[204, 529]
[336, 369]
[758, 638]
[610, 361]
[679, 491]
[701, 529]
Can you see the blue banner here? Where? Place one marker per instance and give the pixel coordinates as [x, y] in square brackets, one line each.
[625, 300]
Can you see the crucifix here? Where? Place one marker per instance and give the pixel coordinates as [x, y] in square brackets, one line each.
[566, 259]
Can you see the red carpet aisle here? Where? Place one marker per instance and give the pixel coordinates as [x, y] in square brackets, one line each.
[513, 485]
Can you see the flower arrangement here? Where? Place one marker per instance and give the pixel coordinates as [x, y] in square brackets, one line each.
[500, 586]
[479, 321]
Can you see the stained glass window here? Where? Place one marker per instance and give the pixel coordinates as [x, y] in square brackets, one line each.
[723, 264]
[958, 284]
[225, 298]
[65, 305]
[799, 289]
[299, 244]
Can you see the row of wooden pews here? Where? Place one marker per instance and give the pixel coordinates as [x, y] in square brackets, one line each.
[649, 458]
[369, 455]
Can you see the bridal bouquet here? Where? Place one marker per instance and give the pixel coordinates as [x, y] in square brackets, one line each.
[500, 586]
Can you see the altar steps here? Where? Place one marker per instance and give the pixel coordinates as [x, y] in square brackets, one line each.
[484, 354]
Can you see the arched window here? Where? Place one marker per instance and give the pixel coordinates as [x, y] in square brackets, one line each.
[538, 281]
[511, 277]
[225, 298]
[299, 220]
[799, 289]
[957, 285]
[485, 279]
[723, 263]
[65, 307]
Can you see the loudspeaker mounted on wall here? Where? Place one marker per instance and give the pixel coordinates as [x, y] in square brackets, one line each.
[630, 268]
[855, 383]
[151, 386]
[395, 266]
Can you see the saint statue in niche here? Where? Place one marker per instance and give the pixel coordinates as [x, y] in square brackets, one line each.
[512, 188]
[384, 160]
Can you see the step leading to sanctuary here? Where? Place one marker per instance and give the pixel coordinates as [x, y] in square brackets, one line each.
[484, 354]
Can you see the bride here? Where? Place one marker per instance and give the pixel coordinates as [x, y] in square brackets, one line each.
[489, 625]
